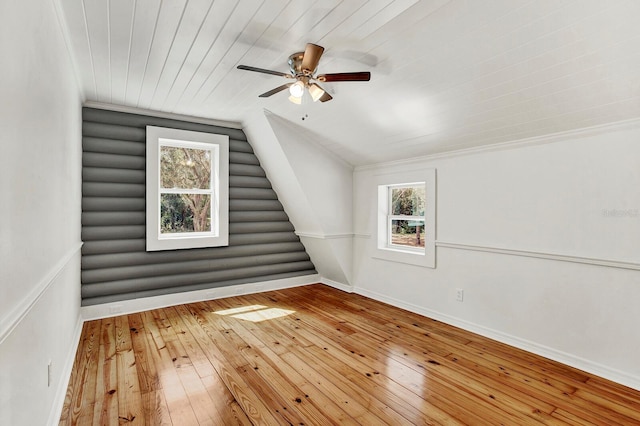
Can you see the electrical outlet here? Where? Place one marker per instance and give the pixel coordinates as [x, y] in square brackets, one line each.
[459, 294]
[49, 373]
[115, 309]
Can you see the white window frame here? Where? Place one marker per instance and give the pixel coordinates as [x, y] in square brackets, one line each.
[418, 256]
[219, 189]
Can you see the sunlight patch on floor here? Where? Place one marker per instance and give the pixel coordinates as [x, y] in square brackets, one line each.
[241, 309]
[255, 313]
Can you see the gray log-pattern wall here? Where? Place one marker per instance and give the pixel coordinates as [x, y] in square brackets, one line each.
[115, 265]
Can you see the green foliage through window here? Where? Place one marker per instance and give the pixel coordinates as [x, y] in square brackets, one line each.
[408, 201]
[177, 213]
[407, 209]
[185, 173]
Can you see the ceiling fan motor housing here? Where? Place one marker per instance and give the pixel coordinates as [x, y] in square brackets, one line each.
[295, 65]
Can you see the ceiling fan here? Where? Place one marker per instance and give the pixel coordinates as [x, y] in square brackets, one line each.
[303, 66]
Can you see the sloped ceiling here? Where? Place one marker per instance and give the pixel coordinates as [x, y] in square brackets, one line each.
[446, 75]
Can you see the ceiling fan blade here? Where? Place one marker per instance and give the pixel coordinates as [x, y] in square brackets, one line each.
[345, 76]
[311, 57]
[276, 90]
[264, 71]
[326, 97]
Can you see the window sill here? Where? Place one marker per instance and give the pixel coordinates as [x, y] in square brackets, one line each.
[416, 258]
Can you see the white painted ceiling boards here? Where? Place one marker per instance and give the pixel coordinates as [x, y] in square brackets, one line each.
[446, 75]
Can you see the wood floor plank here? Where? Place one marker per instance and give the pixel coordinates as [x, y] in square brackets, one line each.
[81, 392]
[154, 404]
[402, 379]
[173, 392]
[67, 416]
[230, 411]
[197, 395]
[264, 359]
[315, 355]
[416, 326]
[106, 408]
[130, 408]
[335, 381]
[387, 402]
[222, 400]
[217, 404]
[212, 343]
[535, 409]
[294, 402]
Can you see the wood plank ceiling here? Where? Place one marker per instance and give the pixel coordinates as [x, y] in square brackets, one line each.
[446, 74]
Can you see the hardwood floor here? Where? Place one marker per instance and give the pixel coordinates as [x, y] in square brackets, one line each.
[316, 355]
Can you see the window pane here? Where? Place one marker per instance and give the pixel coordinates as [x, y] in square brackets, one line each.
[408, 201]
[185, 213]
[407, 233]
[185, 168]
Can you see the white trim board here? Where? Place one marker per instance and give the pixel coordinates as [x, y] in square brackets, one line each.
[526, 345]
[11, 320]
[518, 143]
[338, 285]
[542, 255]
[324, 236]
[362, 235]
[167, 115]
[124, 307]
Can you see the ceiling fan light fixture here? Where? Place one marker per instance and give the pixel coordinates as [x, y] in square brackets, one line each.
[303, 67]
[297, 89]
[316, 92]
[295, 100]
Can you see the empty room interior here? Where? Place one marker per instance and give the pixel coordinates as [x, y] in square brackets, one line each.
[319, 212]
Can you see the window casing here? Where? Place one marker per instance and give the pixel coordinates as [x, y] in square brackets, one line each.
[187, 189]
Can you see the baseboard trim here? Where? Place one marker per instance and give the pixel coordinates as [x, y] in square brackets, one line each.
[124, 307]
[535, 348]
[542, 255]
[323, 236]
[63, 382]
[336, 284]
[22, 309]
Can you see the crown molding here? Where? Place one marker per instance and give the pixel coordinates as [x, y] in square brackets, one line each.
[66, 36]
[518, 143]
[160, 114]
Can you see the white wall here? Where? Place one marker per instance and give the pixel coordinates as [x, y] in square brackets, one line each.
[40, 197]
[315, 188]
[525, 233]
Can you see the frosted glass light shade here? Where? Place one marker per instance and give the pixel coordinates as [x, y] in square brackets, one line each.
[297, 89]
[316, 92]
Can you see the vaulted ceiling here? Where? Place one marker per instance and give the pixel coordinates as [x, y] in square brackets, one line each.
[446, 74]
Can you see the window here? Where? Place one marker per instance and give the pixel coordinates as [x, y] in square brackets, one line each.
[405, 221]
[187, 189]
[406, 217]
